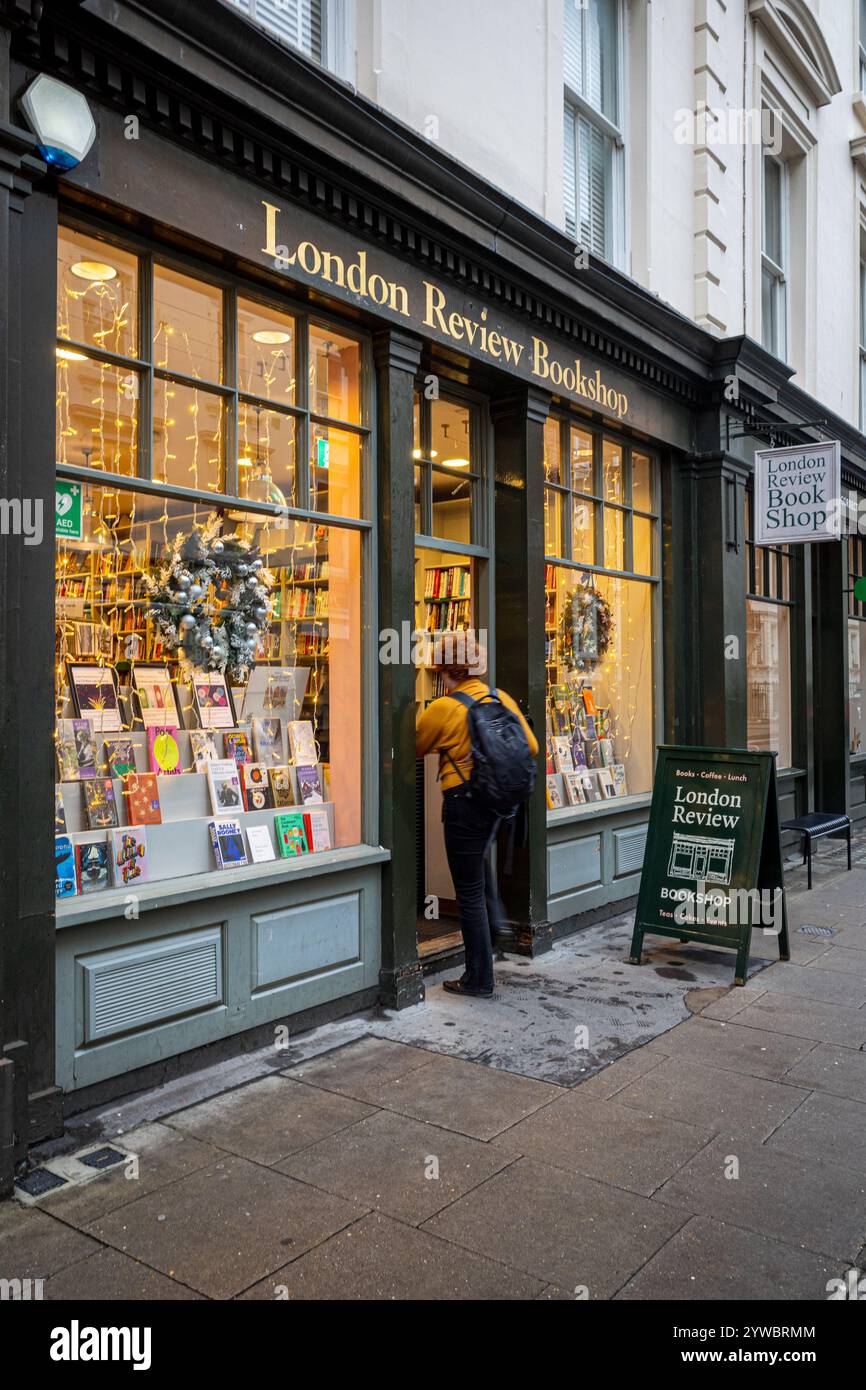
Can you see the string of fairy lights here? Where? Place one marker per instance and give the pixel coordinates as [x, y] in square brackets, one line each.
[100, 430]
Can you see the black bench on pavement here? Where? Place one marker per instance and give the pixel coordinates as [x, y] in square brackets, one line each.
[814, 827]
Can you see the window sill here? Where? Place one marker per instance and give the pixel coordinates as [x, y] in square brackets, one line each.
[858, 101]
[98, 907]
[614, 806]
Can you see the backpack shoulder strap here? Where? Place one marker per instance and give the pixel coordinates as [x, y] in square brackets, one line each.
[461, 697]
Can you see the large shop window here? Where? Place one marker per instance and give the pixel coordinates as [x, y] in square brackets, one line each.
[209, 700]
[856, 648]
[601, 539]
[769, 604]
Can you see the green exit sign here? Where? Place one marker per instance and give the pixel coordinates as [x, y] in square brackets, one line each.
[860, 590]
[323, 453]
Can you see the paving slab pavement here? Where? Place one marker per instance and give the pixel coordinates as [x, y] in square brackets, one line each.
[596, 1130]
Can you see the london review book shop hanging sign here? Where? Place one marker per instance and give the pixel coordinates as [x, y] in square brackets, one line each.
[797, 493]
[713, 861]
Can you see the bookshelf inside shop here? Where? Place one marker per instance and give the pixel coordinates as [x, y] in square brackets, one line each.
[444, 602]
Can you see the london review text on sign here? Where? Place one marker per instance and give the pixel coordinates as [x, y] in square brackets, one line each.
[797, 493]
[476, 331]
[713, 854]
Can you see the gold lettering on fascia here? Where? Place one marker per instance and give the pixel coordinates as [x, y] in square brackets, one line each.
[476, 333]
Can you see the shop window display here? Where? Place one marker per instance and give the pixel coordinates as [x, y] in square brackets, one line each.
[856, 648]
[208, 656]
[601, 539]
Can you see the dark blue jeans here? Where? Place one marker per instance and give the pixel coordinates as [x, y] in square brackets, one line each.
[470, 830]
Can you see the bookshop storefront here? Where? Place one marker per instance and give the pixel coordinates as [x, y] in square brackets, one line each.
[292, 414]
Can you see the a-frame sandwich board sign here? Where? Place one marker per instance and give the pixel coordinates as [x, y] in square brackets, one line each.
[713, 861]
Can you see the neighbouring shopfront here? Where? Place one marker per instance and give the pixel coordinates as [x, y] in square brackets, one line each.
[292, 413]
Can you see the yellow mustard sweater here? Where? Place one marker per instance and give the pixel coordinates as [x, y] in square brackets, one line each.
[442, 728]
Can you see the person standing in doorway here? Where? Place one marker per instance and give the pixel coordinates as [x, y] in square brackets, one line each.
[470, 821]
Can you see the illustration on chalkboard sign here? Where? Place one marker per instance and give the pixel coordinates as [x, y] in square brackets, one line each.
[698, 857]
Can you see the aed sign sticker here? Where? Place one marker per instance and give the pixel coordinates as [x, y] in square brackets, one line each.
[797, 493]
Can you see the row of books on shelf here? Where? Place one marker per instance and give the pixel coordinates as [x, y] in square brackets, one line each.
[585, 785]
[231, 786]
[565, 754]
[446, 581]
[264, 742]
[447, 617]
[122, 859]
[307, 570]
[306, 603]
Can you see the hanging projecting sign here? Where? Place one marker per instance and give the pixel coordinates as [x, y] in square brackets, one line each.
[797, 493]
[712, 866]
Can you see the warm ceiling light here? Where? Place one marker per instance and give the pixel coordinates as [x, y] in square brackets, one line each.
[93, 270]
[270, 335]
[455, 463]
[416, 453]
[67, 355]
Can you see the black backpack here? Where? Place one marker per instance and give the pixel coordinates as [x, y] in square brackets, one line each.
[503, 768]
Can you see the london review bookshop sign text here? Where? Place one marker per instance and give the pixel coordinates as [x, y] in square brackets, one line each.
[713, 861]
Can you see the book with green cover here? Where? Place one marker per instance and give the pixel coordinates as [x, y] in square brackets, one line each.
[291, 834]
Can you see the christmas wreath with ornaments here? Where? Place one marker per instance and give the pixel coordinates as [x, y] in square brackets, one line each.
[212, 599]
[587, 627]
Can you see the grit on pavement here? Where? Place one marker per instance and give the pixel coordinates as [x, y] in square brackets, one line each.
[597, 1130]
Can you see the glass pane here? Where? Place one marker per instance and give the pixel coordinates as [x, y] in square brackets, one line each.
[581, 461]
[418, 487]
[335, 471]
[614, 479]
[595, 188]
[614, 539]
[416, 426]
[642, 538]
[769, 326]
[188, 325]
[552, 521]
[451, 436]
[188, 436]
[266, 353]
[266, 455]
[600, 682]
[97, 414]
[583, 530]
[856, 674]
[642, 482]
[452, 504]
[600, 60]
[97, 294]
[552, 454]
[773, 222]
[768, 671]
[335, 375]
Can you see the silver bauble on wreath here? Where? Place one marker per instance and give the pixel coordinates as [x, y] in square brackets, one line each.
[187, 622]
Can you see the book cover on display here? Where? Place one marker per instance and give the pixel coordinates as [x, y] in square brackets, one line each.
[562, 759]
[310, 786]
[607, 754]
[142, 799]
[554, 796]
[204, 749]
[119, 756]
[65, 882]
[594, 755]
[619, 779]
[257, 787]
[268, 742]
[227, 838]
[236, 745]
[574, 789]
[212, 700]
[92, 865]
[607, 786]
[281, 785]
[318, 829]
[260, 843]
[224, 786]
[100, 807]
[76, 750]
[302, 742]
[291, 834]
[59, 813]
[129, 859]
[163, 751]
[589, 782]
[578, 753]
